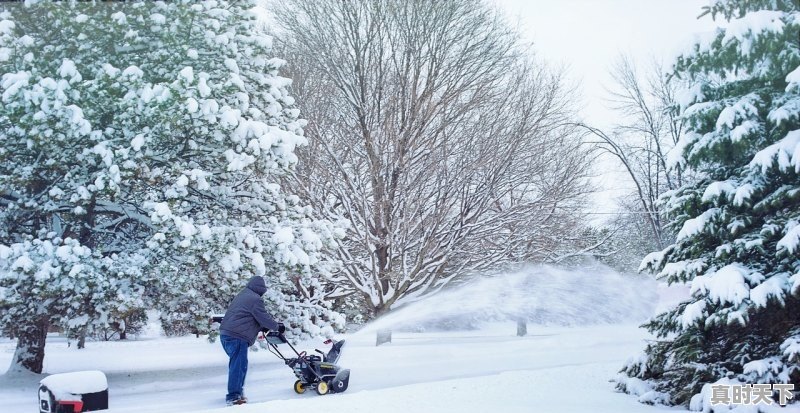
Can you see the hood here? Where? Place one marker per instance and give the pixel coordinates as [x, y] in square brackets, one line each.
[257, 284]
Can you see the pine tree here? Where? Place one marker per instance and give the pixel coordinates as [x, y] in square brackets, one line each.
[141, 151]
[738, 227]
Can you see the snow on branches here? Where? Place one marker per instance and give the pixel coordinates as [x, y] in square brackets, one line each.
[738, 240]
[161, 130]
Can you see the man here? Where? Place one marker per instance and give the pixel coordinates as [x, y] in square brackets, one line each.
[246, 316]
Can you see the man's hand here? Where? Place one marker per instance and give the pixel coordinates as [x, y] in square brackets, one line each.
[281, 328]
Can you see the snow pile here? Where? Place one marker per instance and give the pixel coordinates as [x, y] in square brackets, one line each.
[69, 386]
[642, 389]
[541, 295]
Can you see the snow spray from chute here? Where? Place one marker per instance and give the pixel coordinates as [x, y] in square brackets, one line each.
[541, 295]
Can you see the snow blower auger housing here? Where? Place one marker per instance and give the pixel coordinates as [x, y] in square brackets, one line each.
[313, 372]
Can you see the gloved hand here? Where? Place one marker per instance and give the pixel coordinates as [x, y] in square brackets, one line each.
[281, 328]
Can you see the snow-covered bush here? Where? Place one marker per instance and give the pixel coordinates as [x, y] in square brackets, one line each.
[152, 134]
[63, 283]
[738, 242]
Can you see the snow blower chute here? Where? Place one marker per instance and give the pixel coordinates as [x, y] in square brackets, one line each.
[318, 372]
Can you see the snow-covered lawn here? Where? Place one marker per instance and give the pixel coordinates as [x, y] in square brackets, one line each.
[559, 369]
[553, 369]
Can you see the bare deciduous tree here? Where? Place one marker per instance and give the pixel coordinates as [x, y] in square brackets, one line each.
[445, 147]
[650, 126]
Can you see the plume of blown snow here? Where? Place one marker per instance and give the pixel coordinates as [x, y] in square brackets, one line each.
[540, 295]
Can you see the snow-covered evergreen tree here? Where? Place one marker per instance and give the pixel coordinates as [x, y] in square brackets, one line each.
[140, 153]
[738, 228]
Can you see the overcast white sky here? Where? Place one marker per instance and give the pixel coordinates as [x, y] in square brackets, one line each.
[589, 35]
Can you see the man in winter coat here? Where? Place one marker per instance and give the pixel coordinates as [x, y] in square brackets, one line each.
[246, 316]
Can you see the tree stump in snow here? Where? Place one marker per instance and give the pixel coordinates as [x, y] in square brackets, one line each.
[383, 336]
[522, 327]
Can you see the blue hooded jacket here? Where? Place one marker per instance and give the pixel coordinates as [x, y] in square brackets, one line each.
[246, 315]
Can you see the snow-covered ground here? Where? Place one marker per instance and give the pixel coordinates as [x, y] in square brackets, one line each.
[553, 369]
[583, 328]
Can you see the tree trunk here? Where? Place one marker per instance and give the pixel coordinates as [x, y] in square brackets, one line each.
[379, 310]
[383, 308]
[29, 354]
[82, 340]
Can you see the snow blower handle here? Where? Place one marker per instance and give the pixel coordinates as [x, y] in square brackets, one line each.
[280, 330]
[275, 337]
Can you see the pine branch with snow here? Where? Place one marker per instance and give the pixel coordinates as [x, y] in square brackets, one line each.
[737, 244]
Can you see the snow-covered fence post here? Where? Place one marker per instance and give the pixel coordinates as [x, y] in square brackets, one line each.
[522, 327]
[383, 336]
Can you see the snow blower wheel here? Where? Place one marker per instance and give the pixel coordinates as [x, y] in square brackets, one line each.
[322, 388]
[299, 387]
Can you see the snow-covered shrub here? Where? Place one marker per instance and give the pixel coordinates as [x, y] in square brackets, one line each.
[63, 283]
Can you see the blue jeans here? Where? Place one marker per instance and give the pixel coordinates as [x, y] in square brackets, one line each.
[236, 349]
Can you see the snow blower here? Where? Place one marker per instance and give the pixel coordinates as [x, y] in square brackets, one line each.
[318, 372]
